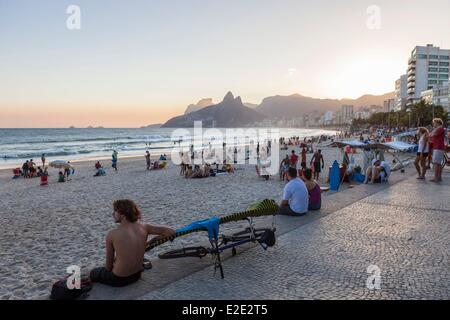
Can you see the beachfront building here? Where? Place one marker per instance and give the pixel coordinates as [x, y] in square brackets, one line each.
[362, 114]
[427, 67]
[328, 118]
[401, 93]
[389, 105]
[439, 96]
[346, 114]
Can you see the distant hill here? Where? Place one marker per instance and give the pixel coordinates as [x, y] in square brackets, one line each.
[199, 105]
[296, 105]
[230, 113]
[368, 100]
[251, 105]
[155, 126]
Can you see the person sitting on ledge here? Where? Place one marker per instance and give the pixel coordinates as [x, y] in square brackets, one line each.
[376, 173]
[314, 191]
[295, 196]
[125, 246]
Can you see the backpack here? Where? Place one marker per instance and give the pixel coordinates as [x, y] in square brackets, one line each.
[60, 291]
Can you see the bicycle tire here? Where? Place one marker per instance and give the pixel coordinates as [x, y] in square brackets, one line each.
[445, 160]
[245, 234]
[190, 252]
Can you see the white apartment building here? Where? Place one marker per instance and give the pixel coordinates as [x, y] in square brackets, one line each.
[328, 118]
[439, 96]
[401, 93]
[347, 114]
[427, 67]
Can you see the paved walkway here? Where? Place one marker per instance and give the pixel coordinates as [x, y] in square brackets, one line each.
[403, 230]
[165, 272]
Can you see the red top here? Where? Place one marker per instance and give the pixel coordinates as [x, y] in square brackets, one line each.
[438, 139]
[294, 159]
[303, 155]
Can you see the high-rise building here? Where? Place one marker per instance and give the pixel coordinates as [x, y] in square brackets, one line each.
[346, 113]
[401, 93]
[427, 67]
[439, 96]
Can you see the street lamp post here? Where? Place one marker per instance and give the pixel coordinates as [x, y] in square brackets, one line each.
[409, 116]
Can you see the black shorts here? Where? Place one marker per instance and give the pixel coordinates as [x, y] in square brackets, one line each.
[101, 275]
[287, 211]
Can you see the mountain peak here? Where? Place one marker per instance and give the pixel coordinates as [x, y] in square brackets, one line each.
[229, 97]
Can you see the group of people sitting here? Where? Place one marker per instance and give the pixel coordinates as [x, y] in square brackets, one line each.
[300, 194]
[378, 172]
[205, 171]
[198, 172]
[156, 165]
[100, 171]
[28, 170]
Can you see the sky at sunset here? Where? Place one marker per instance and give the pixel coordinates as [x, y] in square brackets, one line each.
[135, 62]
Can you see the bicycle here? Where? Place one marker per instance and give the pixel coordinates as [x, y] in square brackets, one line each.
[219, 242]
[264, 237]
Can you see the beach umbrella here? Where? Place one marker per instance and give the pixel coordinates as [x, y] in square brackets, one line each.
[61, 164]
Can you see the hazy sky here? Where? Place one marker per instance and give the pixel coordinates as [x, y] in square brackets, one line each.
[140, 62]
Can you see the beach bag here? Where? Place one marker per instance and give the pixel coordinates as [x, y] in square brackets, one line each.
[60, 291]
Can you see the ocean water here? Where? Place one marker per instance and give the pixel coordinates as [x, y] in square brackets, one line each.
[19, 145]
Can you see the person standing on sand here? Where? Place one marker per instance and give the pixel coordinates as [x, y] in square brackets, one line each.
[114, 160]
[125, 246]
[294, 159]
[147, 159]
[438, 137]
[303, 158]
[43, 160]
[318, 162]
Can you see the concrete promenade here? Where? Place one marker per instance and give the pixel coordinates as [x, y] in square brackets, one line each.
[403, 230]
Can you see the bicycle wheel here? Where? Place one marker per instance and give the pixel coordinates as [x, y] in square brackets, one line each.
[197, 252]
[246, 234]
[445, 161]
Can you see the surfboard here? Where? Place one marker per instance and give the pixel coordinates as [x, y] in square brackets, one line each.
[335, 176]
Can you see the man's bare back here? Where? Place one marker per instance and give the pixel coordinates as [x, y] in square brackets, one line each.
[125, 246]
[129, 242]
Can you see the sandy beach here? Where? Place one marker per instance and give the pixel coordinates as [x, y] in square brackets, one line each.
[46, 229]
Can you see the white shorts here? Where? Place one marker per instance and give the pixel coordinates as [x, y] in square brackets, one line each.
[438, 156]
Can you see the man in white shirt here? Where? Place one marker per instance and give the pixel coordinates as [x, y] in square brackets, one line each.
[295, 196]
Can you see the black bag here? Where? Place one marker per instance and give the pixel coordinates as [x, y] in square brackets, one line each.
[60, 291]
